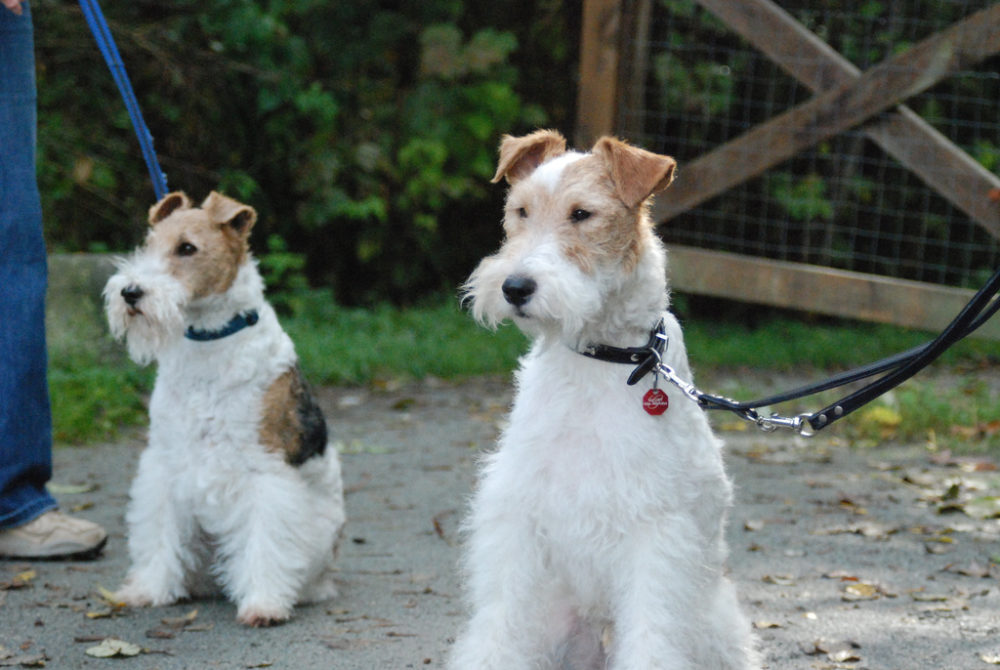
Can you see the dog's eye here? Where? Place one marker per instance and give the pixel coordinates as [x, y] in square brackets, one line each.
[522, 212]
[185, 249]
[579, 215]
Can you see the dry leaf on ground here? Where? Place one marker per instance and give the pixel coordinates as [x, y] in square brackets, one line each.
[111, 648]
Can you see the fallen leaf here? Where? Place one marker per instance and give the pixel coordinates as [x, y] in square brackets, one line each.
[935, 548]
[111, 648]
[24, 661]
[404, 404]
[100, 614]
[992, 658]
[843, 656]
[110, 597]
[922, 597]
[763, 624]
[969, 463]
[70, 489]
[838, 652]
[180, 621]
[953, 492]
[779, 580]
[753, 524]
[21, 580]
[986, 507]
[971, 569]
[860, 591]
[883, 419]
[841, 575]
[869, 529]
[160, 634]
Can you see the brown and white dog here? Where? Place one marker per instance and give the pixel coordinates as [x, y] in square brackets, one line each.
[237, 481]
[596, 532]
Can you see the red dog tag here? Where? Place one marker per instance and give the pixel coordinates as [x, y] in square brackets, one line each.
[655, 402]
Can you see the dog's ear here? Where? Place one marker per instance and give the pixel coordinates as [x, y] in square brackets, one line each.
[519, 156]
[636, 173]
[226, 211]
[167, 205]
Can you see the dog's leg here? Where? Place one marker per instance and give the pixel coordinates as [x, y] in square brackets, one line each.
[733, 647]
[159, 537]
[266, 547]
[516, 620]
[662, 617]
[326, 491]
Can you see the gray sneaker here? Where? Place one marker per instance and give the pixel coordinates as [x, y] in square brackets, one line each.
[53, 535]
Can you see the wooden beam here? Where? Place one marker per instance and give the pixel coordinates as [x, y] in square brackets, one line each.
[636, 21]
[901, 133]
[895, 79]
[597, 93]
[821, 290]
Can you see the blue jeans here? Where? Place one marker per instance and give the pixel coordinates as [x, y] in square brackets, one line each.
[25, 418]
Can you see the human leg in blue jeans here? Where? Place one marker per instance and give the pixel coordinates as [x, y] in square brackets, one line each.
[29, 526]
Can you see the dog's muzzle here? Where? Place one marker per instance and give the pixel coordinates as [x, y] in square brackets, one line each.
[517, 289]
[131, 294]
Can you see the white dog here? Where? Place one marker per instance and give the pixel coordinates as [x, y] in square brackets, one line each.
[596, 532]
[237, 478]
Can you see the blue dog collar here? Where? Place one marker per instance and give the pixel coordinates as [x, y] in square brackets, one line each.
[235, 325]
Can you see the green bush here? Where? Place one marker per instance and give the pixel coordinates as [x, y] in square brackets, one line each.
[363, 132]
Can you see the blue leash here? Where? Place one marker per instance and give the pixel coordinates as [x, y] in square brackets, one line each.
[106, 43]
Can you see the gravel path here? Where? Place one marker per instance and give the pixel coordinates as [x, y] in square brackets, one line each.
[845, 558]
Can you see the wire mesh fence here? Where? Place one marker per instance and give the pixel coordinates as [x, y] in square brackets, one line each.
[844, 203]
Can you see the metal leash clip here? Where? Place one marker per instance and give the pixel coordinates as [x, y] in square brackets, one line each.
[768, 424]
[689, 389]
[772, 423]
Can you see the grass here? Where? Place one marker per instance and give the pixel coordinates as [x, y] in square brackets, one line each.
[95, 393]
[339, 345]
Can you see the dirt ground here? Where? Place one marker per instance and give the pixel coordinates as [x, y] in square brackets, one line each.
[880, 558]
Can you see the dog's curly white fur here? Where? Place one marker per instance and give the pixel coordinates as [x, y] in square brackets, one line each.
[596, 531]
[236, 482]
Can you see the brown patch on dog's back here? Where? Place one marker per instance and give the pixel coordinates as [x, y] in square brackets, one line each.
[291, 423]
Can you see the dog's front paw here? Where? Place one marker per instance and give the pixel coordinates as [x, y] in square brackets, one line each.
[261, 616]
[135, 594]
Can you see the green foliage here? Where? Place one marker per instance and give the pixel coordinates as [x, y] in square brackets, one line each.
[789, 344]
[93, 400]
[802, 199]
[282, 271]
[339, 345]
[364, 133]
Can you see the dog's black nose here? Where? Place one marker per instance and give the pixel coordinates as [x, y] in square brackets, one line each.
[132, 294]
[517, 290]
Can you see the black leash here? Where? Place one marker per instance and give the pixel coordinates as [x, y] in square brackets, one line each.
[898, 368]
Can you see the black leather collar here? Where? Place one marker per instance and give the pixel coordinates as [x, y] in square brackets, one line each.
[645, 358]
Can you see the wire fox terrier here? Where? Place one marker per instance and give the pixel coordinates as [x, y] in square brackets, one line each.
[237, 474]
[596, 530]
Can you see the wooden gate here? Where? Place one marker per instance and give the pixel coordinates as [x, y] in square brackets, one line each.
[842, 98]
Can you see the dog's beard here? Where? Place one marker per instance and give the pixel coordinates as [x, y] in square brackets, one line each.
[153, 324]
[565, 301]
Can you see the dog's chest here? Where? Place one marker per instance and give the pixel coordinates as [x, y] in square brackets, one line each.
[208, 395]
[584, 459]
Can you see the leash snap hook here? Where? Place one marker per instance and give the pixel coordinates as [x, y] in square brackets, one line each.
[772, 423]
